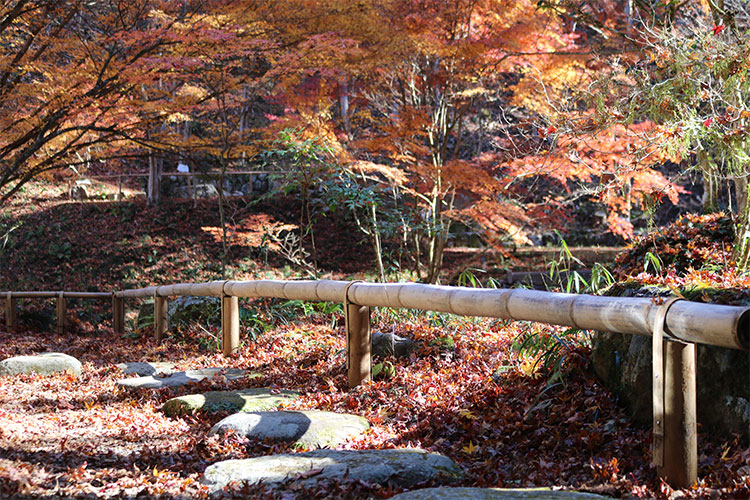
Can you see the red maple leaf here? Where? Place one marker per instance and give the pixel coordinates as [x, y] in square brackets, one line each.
[718, 29]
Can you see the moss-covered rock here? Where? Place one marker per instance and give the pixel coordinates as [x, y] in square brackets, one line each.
[623, 363]
[404, 468]
[246, 400]
[45, 364]
[312, 429]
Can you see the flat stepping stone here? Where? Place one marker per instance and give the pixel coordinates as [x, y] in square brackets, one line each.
[147, 368]
[494, 494]
[245, 400]
[45, 364]
[403, 468]
[178, 379]
[312, 429]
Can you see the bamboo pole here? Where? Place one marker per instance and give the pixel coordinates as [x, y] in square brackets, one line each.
[680, 463]
[719, 325]
[11, 312]
[69, 295]
[118, 315]
[314, 290]
[230, 324]
[35, 295]
[137, 293]
[62, 313]
[161, 317]
[358, 341]
[88, 295]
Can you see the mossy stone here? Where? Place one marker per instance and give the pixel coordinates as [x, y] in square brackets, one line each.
[245, 400]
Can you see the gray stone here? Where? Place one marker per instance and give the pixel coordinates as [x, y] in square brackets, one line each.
[79, 192]
[389, 344]
[201, 191]
[312, 429]
[402, 468]
[494, 494]
[146, 368]
[45, 364]
[623, 363]
[245, 400]
[178, 379]
[189, 309]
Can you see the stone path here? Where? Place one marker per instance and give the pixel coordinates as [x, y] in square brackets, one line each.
[44, 364]
[315, 429]
[494, 494]
[177, 379]
[402, 468]
[312, 429]
[245, 400]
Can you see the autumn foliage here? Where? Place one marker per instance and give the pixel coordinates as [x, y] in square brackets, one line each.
[456, 99]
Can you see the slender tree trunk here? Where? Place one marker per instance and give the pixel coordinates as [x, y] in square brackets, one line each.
[223, 220]
[376, 243]
[741, 250]
[711, 184]
[153, 191]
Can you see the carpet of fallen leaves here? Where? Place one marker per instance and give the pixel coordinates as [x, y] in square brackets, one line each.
[691, 242]
[86, 438]
[495, 412]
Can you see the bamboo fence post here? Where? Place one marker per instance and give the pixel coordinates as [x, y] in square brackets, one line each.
[62, 312]
[118, 314]
[358, 341]
[680, 467]
[230, 324]
[675, 430]
[161, 316]
[11, 312]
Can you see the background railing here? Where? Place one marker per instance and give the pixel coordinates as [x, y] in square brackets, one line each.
[675, 326]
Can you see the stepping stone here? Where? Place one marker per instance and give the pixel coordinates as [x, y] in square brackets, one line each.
[177, 379]
[403, 468]
[312, 429]
[44, 364]
[245, 400]
[146, 368]
[494, 494]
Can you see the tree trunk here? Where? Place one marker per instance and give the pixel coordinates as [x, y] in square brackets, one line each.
[376, 243]
[711, 184]
[741, 251]
[155, 167]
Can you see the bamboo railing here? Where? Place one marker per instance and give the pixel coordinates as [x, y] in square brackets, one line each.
[11, 304]
[675, 326]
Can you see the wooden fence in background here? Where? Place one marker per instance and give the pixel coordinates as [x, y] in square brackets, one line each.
[675, 326]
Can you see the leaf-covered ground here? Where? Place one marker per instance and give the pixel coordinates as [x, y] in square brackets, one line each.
[504, 418]
[55, 243]
[67, 437]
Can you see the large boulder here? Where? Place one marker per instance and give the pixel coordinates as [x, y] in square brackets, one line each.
[183, 309]
[389, 344]
[45, 364]
[446, 493]
[401, 468]
[312, 429]
[623, 363]
[245, 400]
[188, 309]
